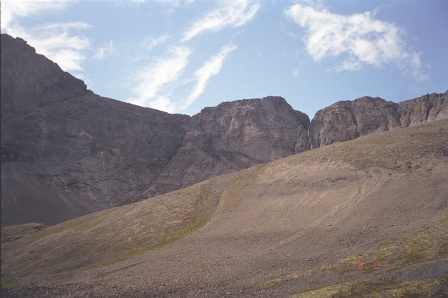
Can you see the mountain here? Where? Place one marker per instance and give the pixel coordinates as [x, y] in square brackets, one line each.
[67, 152]
[362, 218]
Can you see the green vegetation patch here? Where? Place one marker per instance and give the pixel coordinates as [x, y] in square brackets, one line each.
[12, 233]
[8, 283]
[428, 243]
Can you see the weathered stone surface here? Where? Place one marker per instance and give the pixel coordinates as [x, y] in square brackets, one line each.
[427, 108]
[346, 120]
[234, 136]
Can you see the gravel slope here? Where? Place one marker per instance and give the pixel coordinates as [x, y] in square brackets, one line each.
[280, 228]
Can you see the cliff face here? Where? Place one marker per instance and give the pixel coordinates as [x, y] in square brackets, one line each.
[234, 136]
[67, 152]
[423, 109]
[347, 120]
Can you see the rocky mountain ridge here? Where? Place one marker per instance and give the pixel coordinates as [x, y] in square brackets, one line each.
[67, 151]
[347, 120]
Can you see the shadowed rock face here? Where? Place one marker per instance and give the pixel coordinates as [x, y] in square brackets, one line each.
[67, 152]
[30, 80]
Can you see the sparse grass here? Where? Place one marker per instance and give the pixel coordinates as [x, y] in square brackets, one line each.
[329, 291]
[197, 223]
[385, 288]
[8, 283]
[112, 235]
[11, 233]
[427, 244]
[388, 249]
[272, 283]
[232, 197]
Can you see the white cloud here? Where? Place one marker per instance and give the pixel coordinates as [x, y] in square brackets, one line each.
[150, 43]
[25, 8]
[210, 68]
[361, 37]
[165, 2]
[166, 7]
[55, 41]
[163, 103]
[232, 13]
[151, 79]
[105, 51]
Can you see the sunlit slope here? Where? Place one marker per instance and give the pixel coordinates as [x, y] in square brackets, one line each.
[271, 230]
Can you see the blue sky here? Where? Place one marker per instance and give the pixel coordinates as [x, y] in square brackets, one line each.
[183, 55]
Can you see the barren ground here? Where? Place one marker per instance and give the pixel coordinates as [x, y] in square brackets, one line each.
[368, 217]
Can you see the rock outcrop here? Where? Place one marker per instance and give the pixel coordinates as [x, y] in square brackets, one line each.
[347, 120]
[423, 109]
[67, 152]
[234, 136]
[30, 80]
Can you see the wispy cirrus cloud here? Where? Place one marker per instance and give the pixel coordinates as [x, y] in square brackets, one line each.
[57, 43]
[11, 9]
[210, 68]
[105, 51]
[151, 81]
[166, 2]
[233, 13]
[360, 37]
[152, 42]
[155, 83]
[166, 7]
[52, 40]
